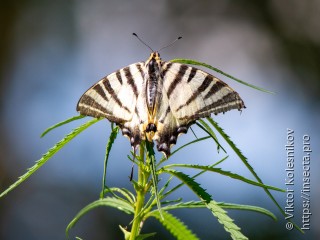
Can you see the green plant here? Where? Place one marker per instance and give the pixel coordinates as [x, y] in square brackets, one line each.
[146, 200]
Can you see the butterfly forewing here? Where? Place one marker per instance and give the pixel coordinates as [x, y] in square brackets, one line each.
[194, 93]
[114, 97]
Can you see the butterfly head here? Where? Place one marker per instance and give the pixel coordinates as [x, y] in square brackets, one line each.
[154, 57]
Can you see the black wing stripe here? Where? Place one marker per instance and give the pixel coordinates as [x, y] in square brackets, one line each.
[192, 74]
[177, 79]
[227, 102]
[205, 84]
[230, 101]
[130, 80]
[110, 90]
[165, 70]
[140, 70]
[100, 91]
[90, 107]
[136, 112]
[165, 115]
[118, 75]
[215, 88]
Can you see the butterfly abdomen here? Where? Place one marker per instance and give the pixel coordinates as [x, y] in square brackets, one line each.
[152, 79]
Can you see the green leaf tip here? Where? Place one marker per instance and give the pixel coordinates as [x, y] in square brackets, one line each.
[112, 138]
[60, 124]
[191, 183]
[226, 221]
[226, 173]
[250, 168]
[193, 62]
[117, 203]
[52, 151]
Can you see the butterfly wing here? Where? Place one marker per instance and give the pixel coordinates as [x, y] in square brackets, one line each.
[194, 94]
[119, 98]
[189, 94]
[185, 95]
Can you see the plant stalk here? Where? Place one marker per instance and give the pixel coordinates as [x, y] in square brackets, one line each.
[141, 192]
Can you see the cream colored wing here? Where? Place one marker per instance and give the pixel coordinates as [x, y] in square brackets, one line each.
[119, 98]
[194, 94]
[189, 94]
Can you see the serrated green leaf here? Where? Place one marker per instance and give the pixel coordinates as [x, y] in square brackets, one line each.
[152, 160]
[226, 221]
[225, 173]
[123, 191]
[109, 202]
[190, 204]
[247, 208]
[232, 206]
[174, 225]
[194, 176]
[246, 163]
[193, 62]
[144, 236]
[191, 183]
[113, 135]
[233, 146]
[52, 151]
[166, 185]
[187, 144]
[61, 123]
[205, 127]
[171, 202]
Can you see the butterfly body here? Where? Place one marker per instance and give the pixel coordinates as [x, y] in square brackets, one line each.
[157, 100]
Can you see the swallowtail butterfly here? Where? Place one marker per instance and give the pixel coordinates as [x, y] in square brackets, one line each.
[157, 100]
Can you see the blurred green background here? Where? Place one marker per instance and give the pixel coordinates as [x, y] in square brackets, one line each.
[52, 51]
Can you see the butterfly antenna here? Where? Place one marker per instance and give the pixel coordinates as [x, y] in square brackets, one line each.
[170, 44]
[134, 34]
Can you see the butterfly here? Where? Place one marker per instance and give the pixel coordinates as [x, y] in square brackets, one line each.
[157, 100]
